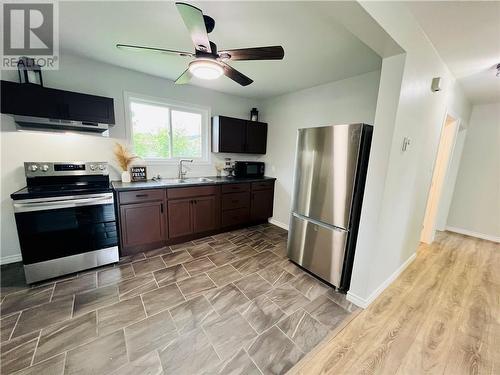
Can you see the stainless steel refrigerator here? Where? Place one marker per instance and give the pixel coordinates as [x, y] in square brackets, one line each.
[330, 173]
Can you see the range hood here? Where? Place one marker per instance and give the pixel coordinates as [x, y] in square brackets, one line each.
[62, 125]
[40, 107]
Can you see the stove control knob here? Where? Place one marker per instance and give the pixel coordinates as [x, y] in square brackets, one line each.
[92, 167]
[102, 167]
[33, 167]
[45, 168]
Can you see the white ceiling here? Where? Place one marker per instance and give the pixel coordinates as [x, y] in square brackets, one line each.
[466, 35]
[317, 49]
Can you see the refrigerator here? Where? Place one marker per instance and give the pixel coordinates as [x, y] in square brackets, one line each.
[330, 172]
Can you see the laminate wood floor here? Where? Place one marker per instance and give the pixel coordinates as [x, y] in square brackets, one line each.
[441, 316]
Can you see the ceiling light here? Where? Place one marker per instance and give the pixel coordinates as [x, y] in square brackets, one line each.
[205, 69]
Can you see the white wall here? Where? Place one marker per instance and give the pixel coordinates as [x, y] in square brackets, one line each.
[347, 101]
[83, 75]
[475, 206]
[397, 189]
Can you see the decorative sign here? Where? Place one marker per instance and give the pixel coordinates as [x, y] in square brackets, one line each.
[138, 173]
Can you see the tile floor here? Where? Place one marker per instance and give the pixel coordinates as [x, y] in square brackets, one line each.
[227, 304]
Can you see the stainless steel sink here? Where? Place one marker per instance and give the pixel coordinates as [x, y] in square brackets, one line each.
[185, 180]
[198, 179]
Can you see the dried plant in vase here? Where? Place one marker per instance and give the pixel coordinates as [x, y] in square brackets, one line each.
[124, 158]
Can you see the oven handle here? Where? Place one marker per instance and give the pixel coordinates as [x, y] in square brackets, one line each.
[68, 203]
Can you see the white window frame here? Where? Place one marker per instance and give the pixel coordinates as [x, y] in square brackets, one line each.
[172, 105]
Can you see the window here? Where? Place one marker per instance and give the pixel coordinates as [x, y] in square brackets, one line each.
[165, 131]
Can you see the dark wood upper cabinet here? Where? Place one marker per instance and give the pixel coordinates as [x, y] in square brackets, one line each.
[29, 100]
[34, 100]
[239, 136]
[256, 137]
[89, 107]
[228, 134]
[142, 226]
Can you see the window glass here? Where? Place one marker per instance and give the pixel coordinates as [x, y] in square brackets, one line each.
[186, 134]
[151, 136]
[168, 132]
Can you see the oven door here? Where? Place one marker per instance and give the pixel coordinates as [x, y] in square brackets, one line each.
[52, 228]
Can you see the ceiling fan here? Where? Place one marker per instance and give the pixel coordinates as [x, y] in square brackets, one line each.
[209, 63]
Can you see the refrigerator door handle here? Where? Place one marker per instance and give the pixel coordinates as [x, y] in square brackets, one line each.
[319, 223]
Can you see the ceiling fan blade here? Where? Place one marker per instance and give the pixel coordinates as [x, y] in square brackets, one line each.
[236, 76]
[257, 53]
[131, 47]
[184, 78]
[193, 18]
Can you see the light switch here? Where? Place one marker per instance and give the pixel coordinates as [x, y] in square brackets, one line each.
[406, 143]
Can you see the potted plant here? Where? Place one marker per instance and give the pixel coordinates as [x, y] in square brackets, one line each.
[124, 158]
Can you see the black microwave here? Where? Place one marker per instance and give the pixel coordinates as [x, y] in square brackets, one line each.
[245, 169]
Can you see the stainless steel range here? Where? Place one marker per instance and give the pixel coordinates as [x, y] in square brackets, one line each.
[65, 218]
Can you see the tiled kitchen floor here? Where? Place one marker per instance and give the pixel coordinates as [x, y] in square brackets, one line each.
[227, 304]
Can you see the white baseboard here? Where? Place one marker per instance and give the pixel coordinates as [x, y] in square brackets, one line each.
[358, 301]
[278, 224]
[473, 234]
[365, 302]
[10, 259]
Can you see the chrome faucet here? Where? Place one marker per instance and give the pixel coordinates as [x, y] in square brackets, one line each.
[182, 174]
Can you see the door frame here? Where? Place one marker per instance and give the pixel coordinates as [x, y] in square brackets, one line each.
[440, 172]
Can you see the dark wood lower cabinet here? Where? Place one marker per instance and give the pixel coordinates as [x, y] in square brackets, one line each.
[191, 216]
[180, 222]
[204, 214]
[153, 218]
[261, 204]
[235, 217]
[142, 226]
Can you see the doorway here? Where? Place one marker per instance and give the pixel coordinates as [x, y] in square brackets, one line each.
[445, 151]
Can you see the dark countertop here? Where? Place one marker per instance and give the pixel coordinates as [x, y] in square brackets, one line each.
[189, 181]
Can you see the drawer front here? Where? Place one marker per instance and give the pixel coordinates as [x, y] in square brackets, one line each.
[317, 248]
[235, 200]
[137, 196]
[235, 188]
[189, 192]
[235, 217]
[262, 185]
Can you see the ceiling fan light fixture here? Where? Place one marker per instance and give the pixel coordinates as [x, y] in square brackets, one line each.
[205, 69]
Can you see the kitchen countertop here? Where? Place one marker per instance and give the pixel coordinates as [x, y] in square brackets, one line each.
[188, 181]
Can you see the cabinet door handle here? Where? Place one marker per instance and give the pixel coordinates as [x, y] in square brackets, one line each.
[141, 195]
[195, 201]
[161, 208]
[253, 196]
